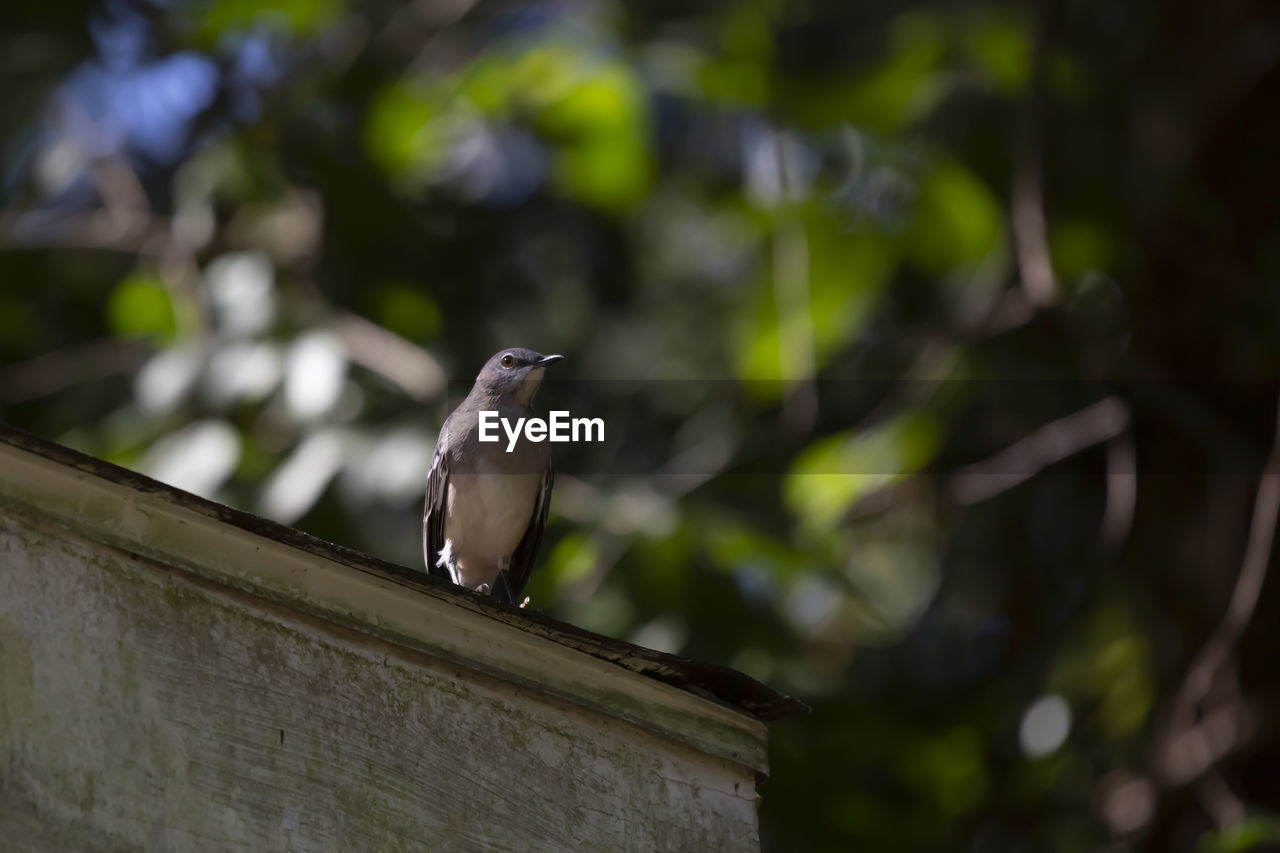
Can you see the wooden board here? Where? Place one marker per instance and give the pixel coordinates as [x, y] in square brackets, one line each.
[144, 706]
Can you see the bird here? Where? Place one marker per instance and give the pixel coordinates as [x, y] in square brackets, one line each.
[486, 508]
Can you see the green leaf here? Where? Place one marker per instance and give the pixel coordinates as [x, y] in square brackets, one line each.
[139, 307]
[1000, 48]
[1254, 832]
[408, 311]
[490, 83]
[1078, 246]
[611, 172]
[734, 82]
[732, 545]
[1108, 662]
[908, 84]
[847, 271]
[833, 473]
[295, 18]
[601, 130]
[958, 222]
[572, 559]
[397, 128]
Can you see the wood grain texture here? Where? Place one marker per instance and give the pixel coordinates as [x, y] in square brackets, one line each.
[146, 708]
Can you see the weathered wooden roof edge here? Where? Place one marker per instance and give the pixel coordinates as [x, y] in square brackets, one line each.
[716, 683]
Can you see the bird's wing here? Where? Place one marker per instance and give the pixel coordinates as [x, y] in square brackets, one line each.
[511, 583]
[433, 512]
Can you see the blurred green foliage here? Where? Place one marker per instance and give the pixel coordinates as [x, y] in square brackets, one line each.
[139, 306]
[257, 249]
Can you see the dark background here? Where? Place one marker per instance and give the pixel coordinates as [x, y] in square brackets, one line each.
[945, 335]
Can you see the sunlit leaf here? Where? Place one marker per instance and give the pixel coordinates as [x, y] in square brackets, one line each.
[738, 82]
[1108, 662]
[490, 83]
[607, 101]
[846, 272]
[610, 172]
[572, 559]
[958, 221]
[746, 31]
[554, 70]
[292, 17]
[834, 472]
[600, 125]
[1255, 832]
[733, 545]
[140, 307]
[907, 84]
[1000, 48]
[396, 128]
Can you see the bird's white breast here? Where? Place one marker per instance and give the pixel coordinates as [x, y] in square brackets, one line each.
[487, 516]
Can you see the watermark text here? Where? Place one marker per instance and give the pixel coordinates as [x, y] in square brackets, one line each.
[559, 427]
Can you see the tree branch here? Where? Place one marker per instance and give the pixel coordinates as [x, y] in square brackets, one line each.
[1053, 442]
[1244, 597]
[1030, 237]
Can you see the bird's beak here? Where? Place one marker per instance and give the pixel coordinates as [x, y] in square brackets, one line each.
[548, 359]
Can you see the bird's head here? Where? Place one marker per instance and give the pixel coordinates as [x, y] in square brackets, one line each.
[514, 374]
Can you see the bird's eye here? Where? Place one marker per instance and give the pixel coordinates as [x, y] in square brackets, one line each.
[508, 360]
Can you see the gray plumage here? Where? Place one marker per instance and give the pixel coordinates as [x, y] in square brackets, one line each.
[486, 508]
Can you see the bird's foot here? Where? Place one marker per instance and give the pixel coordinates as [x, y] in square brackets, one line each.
[524, 603]
[483, 589]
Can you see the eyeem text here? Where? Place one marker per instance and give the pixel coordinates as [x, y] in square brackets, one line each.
[559, 427]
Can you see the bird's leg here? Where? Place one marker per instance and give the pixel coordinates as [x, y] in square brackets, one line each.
[502, 584]
[486, 589]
